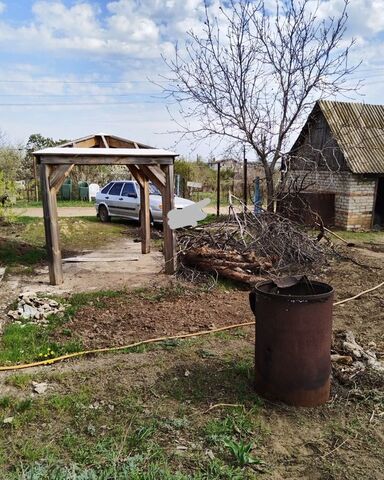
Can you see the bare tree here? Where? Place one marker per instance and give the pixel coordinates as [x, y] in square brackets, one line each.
[253, 73]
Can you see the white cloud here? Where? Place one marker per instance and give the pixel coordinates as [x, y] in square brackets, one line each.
[365, 17]
[3, 6]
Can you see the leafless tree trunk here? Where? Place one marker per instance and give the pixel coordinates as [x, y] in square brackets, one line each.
[254, 73]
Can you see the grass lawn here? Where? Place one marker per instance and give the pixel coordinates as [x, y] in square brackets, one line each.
[23, 241]
[181, 412]
[60, 203]
[175, 410]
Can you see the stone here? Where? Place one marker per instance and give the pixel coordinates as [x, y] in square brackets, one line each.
[39, 388]
[13, 314]
[8, 420]
[29, 311]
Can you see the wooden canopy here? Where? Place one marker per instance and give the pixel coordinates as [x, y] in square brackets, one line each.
[145, 164]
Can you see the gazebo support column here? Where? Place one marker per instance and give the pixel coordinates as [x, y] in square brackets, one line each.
[169, 235]
[51, 226]
[145, 217]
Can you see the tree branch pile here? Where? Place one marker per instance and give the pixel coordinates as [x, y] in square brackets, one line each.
[247, 247]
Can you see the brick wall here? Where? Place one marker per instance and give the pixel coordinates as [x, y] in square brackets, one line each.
[354, 196]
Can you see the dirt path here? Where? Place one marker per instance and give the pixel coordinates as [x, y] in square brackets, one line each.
[63, 212]
[86, 211]
[118, 272]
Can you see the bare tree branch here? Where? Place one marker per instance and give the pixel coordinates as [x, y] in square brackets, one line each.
[254, 73]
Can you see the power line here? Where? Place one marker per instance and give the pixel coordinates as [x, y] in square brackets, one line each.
[72, 104]
[101, 82]
[78, 95]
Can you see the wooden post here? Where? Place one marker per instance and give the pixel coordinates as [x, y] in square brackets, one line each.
[245, 186]
[218, 190]
[169, 235]
[145, 218]
[51, 226]
[35, 177]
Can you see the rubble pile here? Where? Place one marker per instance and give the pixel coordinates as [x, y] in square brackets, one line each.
[245, 246]
[350, 360]
[34, 309]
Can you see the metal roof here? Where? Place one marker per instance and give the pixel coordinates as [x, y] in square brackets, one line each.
[359, 131]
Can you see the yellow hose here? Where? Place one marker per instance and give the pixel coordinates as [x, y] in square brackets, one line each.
[112, 349]
[153, 340]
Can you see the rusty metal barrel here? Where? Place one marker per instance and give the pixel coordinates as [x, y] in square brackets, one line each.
[293, 341]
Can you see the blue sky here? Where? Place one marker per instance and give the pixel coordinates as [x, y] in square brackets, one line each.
[97, 58]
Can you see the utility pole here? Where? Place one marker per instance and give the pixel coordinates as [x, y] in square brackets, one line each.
[218, 189]
[245, 186]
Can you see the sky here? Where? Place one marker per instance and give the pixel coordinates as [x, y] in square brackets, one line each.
[71, 68]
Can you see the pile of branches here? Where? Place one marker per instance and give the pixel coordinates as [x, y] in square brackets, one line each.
[246, 247]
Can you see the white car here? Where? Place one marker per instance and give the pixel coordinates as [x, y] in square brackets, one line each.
[121, 198]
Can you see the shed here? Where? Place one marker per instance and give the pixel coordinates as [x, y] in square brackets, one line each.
[145, 164]
[340, 152]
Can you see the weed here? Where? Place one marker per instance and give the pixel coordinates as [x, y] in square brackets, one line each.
[23, 405]
[19, 380]
[26, 342]
[5, 402]
[241, 452]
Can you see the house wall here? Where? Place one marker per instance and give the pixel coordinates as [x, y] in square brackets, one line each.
[354, 195]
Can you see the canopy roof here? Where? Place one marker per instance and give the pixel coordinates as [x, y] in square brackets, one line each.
[104, 149]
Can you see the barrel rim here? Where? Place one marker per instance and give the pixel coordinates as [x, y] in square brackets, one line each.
[317, 296]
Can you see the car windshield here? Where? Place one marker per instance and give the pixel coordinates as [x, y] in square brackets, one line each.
[153, 190]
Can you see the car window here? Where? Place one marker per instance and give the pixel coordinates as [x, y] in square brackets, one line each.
[153, 190]
[128, 190]
[116, 189]
[106, 188]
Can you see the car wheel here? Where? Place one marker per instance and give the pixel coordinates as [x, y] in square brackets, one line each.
[103, 214]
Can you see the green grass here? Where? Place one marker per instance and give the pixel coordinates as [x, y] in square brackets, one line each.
[197, 196]
[23, 241]
[19, 380]
[28, 343]
[361, 237]
[14, 252]
[121, 421]
[60, 203]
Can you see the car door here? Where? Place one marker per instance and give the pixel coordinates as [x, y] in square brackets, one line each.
[113, 201]
[130, 200]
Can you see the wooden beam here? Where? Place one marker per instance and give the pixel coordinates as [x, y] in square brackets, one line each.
[105, 143]
[155, 175]
[51, 226]
[145, 217]
[169, 235]
[136, 173]
[108, 159]
[58, 174]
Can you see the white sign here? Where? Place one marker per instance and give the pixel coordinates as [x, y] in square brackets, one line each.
[194, 184]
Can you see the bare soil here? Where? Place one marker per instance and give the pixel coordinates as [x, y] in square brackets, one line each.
[131, 318]
[340, 440]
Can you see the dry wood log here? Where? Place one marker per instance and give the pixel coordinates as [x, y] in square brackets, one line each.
[236, 275]
[194, 260]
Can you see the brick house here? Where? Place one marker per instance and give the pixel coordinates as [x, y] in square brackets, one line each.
[340, 153]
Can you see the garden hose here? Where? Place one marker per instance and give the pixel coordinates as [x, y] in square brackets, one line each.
[124, 347]
[50, 361]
